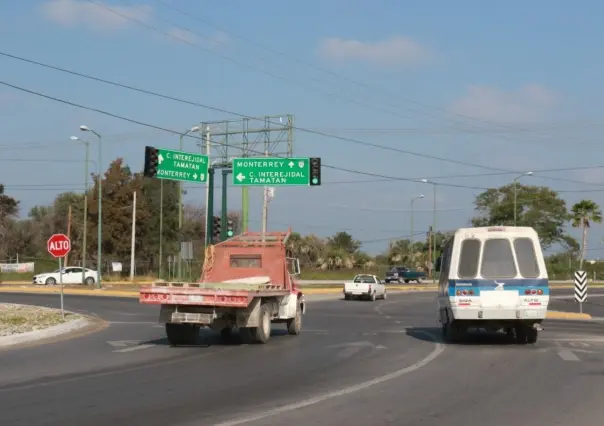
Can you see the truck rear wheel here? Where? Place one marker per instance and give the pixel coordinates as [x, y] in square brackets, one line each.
[182, 334]
[294, 325]
[262, 333]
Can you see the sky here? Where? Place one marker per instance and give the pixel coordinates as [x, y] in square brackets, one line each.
[409, 90]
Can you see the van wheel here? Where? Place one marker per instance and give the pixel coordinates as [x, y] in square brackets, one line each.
[531, 335]
[419, 280]
[385, 295]
[521, 335]
[372, 297]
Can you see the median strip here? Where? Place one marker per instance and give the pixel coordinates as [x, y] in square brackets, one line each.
[567, 315]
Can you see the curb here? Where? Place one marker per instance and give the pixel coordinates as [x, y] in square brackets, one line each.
[44, 334]
[560, 315]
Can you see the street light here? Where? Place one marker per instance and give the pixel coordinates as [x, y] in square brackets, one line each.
[412, 200]
[180, 147]
[433, 226]
[516, 191]
[85, 233]
[100, 204]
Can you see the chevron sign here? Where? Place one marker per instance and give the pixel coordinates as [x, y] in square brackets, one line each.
[580, 286]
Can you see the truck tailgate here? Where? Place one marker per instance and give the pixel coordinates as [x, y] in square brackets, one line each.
[356, 288]
[174, 295]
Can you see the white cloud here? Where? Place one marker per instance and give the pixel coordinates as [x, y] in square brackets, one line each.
[71, 13]
[393, 52]
[108, 18]
[530, 103]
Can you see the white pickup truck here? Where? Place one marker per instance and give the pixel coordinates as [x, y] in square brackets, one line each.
[365, 286]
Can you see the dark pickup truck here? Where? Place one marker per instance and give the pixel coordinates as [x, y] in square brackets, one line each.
[402, 273]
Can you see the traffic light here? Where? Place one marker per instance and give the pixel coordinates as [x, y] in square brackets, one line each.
[230, 228]
[216, 228]
[151, 161]
[315, 171]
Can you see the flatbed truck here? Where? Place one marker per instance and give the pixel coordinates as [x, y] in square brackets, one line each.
[247, 283]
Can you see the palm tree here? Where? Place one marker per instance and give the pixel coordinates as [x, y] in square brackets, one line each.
[582, 215]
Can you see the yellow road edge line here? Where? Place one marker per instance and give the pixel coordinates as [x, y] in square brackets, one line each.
[567, 315]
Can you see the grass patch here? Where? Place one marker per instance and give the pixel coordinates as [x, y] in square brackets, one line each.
[16, 319]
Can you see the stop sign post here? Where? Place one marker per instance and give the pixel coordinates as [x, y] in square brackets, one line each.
[59, 245]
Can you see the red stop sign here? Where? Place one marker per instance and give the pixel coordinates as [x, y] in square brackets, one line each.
[59, 245]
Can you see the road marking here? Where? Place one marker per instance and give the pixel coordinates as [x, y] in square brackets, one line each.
[574, 339]
[132, 322]
[134, 348]
[568, 355]
[438, 349]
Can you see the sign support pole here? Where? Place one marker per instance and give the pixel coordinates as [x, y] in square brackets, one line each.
[61, 285]
[223, 214]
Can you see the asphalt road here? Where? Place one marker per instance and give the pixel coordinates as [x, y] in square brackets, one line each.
[356, 363]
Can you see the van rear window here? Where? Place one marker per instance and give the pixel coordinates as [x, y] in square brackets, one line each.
[498, 259]
[527, 257]
[468, 259]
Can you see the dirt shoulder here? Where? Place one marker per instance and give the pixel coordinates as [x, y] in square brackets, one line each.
[18, 319]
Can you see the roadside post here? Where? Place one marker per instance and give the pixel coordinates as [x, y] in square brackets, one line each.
[581, 288]
[59, 245]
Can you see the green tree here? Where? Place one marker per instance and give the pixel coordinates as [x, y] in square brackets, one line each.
[537, 206]
[9, 208]
[583, 214]
[343, 241]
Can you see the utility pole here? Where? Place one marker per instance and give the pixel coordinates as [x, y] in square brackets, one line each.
[68, 233]
[133, 238]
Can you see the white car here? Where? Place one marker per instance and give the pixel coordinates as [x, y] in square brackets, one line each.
[71, 275]
[365, 286]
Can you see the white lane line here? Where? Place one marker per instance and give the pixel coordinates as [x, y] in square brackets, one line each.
[134, 348]
[568, 355]
[131, 322]
[438, 349]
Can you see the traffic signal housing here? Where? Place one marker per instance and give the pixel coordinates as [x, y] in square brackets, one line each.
[315, 171]
[151, 161]
[216, 223]
[230, 228]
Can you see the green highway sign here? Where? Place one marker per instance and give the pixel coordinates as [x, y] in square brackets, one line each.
[268, 171]
[182, 166]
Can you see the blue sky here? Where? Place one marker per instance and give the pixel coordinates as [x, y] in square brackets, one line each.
[515, 86]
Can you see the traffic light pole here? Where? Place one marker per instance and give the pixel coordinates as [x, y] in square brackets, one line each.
[210, 207]
[223, 214]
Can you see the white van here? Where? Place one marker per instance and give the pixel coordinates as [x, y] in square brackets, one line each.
[493, 278]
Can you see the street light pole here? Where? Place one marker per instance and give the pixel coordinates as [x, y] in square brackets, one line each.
[84, 244]
[100, 205]
[180, 147]
[412, 213]
[433, 227]
[516, 192]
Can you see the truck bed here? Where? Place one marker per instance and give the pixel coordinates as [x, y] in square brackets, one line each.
[207, 294]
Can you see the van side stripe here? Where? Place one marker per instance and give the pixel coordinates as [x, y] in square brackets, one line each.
[508, 284]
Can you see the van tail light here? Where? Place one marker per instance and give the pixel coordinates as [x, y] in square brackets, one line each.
[471, 292]
[459, 292]
[533, 291]
[465, 292]
[539, 291]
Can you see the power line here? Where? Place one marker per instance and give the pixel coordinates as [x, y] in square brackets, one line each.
[140, 123]
[310, 131]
